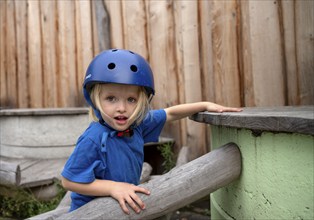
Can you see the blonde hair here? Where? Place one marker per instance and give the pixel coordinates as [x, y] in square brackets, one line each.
[142, 106]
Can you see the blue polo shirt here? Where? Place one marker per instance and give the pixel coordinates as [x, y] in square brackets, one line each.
[101, 154]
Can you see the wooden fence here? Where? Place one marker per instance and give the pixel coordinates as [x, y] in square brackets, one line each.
[238, 53]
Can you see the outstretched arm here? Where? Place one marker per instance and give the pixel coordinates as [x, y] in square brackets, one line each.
[184, 110]
[122, 192]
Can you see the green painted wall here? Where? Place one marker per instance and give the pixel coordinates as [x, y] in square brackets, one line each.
[277, 177]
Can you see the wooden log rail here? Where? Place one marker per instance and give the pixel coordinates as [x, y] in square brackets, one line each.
[171, 191]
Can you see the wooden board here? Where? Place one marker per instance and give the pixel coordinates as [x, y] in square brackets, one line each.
[225, 53]
[32, 172]
[279, 119]
[35, 77]
[11, 55]
[67, 69]
[162, 61]
[49, 59]
[22, 59]
[3, 67]
[116, 24]
[84, 47]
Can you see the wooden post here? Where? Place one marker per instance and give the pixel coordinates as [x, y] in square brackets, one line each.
[177, 188]
[10, 173]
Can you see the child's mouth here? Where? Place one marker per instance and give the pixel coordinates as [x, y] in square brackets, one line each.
[121, 119]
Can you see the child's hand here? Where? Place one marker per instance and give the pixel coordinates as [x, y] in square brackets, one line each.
[125, 193]
[212, 107]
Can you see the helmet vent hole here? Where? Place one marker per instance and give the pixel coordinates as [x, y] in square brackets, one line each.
[111, 66]
[131, 52]
[133, 68]
[114, 50]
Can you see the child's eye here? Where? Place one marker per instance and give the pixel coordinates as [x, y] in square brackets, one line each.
[111, 99]
[132, 100]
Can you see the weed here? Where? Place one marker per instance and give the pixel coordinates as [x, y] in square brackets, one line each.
[22, 203]
[168, 155]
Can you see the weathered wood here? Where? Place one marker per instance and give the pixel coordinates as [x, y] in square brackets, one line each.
[102, 22]
[162, 60]
[116, 24]
[84, 48]
[43, 111]
[35, 77]
[283, 119]
[30, 172]
[134, 26]
[51, 215]
[11, 53]
[49, 53]
[65, 203]
[67, 68]
[186, 15]
[304, 33]
[146, 171]
[265, 62]
[224, 40]
[10, 173]
[21, 47]
[183, 156]
[3, 40]
[173, 190]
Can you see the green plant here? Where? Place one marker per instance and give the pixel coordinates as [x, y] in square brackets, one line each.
[22, 204]
[168, 155]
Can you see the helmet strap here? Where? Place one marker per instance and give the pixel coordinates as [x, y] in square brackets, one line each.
[150, 98]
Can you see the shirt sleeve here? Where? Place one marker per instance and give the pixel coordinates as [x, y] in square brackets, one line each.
[153, 125]
[83, 162]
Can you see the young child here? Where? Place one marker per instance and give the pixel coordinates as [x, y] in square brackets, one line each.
[108, 157]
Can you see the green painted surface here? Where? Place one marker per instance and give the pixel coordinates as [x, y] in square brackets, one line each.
[277, 178]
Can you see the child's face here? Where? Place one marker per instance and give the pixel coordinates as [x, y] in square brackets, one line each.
[118, 102]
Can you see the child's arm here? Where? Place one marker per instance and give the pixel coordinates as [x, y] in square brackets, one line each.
[184, 110]
[122, 192]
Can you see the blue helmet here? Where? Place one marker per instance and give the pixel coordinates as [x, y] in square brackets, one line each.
[118, 66]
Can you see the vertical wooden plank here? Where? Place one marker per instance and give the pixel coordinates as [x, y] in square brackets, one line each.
[246, 55]
[265, 43]
[191, 71]
[287, 12]
[21, 49]
[67, 84]
[11, 56]
[3, 59]
[162, 59]
[84, 43]
[49, 55]
[206, 58]
[225, 55]
[34, 55]
[95, 31]
[179, 65]
[305, 50]
[116, 24]
[102, 24]
[206, 51]
[134, 24]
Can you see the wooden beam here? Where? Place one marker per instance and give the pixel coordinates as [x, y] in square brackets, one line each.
[10, 173]
[175, 189]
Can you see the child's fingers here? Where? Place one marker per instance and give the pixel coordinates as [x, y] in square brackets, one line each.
[133, 205]
[141, 190]
[138, 201]
[123, 206]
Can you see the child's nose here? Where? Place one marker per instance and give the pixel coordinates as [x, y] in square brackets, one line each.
[121, 106]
